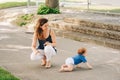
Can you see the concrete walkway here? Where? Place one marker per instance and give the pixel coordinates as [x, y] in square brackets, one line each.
[15, 52]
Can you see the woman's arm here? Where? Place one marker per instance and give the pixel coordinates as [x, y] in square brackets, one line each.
[53, 36]
[34, 42]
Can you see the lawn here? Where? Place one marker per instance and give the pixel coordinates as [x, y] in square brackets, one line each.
[14, 4]
[105, 9]
[5, 75]
[76, 0]
[108, 9]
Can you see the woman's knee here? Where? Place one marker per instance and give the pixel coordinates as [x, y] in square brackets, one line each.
[47, 48]
[32, 56]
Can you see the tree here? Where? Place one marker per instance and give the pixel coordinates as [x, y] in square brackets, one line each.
[52, 3]
[28, 3]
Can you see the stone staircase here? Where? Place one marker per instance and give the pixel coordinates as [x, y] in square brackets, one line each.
[101, 33]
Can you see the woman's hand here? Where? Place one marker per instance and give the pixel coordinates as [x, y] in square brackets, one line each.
[36, 51]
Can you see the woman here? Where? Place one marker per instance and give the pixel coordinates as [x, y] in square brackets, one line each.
[47, 42]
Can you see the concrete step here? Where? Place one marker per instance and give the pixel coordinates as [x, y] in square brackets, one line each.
[98, 32]
[88, 38]
[93, 24]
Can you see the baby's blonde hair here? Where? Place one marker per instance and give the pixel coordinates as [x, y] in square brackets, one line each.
[81, 51]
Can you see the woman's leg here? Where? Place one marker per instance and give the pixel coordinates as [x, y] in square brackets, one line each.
[49, 52]
[43, 61]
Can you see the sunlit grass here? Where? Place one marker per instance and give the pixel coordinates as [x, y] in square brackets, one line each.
[5, 75]
[105, 9]
[75, 0]
[96, 8]
[14, 4]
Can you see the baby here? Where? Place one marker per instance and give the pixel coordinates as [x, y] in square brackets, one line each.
[75, 60]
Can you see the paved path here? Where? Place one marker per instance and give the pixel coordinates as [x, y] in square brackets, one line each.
[15, 51]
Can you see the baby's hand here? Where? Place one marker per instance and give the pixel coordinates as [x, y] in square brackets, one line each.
[90, 68]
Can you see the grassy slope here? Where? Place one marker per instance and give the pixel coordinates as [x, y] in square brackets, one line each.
[5, 75]
[14, 4]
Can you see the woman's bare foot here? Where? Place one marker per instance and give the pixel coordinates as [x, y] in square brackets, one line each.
[48, 65]
[43, 63]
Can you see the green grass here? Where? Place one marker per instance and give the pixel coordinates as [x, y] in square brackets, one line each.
[97, 9]
[14, 4]
[5, 75]
[107, 10]
[23, 20]
[74, 0]
[115, 10]
[110, 10]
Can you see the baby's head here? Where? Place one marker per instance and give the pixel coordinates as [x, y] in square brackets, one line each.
[82, 51]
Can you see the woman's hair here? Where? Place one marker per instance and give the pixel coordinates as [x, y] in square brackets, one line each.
[38, 27]
[81, 51]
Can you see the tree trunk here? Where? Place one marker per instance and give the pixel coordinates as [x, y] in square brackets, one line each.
[28, 3]
[52, 3]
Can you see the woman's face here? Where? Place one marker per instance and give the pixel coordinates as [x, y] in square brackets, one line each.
[45, 26]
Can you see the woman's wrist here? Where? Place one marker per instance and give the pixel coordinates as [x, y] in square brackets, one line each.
[34, 50]
[51, 44]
